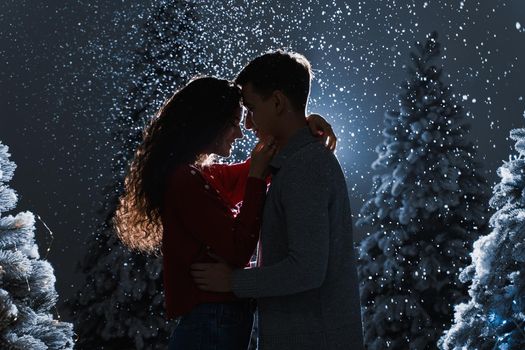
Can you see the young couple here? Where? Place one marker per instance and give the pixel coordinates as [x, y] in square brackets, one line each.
[209, 218]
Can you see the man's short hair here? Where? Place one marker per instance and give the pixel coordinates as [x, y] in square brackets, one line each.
[288, 72]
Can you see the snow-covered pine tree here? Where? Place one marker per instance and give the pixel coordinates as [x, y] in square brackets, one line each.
[494, 316]
[428, 205]
[27, 283]
[121, 304]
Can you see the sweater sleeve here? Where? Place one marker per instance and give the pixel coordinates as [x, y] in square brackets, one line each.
[305, 203]
[232, 178]
[200, 210]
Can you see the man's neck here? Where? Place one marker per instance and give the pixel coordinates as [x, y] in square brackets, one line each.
[293, 123]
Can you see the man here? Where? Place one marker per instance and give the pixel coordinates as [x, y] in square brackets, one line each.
[305, 281]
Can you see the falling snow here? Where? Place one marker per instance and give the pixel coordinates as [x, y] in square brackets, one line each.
[66, 67]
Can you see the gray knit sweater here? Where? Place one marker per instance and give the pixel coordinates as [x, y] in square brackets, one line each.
[306, 282]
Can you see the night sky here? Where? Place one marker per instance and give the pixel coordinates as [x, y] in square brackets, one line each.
[62, 63]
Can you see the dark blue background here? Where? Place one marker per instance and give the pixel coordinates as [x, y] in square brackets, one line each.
[55, 106]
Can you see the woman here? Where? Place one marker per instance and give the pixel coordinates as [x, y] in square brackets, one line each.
[177, 200]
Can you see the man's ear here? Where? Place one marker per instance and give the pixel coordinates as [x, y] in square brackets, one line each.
[280, 101]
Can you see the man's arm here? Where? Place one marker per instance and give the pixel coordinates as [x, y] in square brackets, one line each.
[305, 199]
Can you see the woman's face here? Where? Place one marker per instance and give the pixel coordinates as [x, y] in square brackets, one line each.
[223, 145]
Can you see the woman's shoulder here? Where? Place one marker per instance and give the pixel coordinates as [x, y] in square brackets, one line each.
[183, 170]
[191, 180]
[183, 175]
[216, 166]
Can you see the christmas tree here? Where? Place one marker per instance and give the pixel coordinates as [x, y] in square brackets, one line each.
[494, 316]
[428, 205]
[121, 305]
[27, 283]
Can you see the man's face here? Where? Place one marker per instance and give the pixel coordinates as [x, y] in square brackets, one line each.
[261, 116]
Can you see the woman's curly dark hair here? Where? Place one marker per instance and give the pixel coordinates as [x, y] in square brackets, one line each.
[184, 127]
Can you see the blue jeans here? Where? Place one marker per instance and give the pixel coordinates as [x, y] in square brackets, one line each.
[214, 326]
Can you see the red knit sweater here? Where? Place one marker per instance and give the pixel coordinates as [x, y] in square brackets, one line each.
[200, 216]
